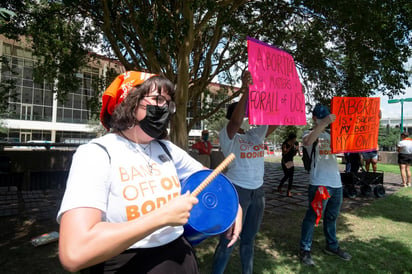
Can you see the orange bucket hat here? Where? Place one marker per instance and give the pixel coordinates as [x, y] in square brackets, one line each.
[119, 89]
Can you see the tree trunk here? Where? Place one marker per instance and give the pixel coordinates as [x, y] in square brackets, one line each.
[179, 132]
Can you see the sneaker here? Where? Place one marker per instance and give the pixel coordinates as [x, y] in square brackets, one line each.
[338, 252]
[306, 258]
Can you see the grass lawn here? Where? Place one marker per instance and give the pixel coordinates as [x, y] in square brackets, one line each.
[379, 237]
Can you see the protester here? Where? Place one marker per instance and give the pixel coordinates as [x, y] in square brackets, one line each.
[405, 158]
[325, 189]
[355, 161]
[203, 147]
[122, 210]
[347, 161]
[289, 150]
[246, 173]
[298, 148]
[370, 157]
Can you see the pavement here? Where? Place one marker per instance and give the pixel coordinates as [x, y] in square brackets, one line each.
[44, 204]
[277, 203]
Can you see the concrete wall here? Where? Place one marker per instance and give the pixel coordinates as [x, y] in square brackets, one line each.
[38, 169]
[35, 169]
[388, 157]
[38, 160]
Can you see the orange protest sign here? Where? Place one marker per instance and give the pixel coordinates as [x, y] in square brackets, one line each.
[356, 127]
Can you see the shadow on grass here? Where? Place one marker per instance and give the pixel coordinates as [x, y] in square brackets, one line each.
[375, 255]
[18, 255]
[277, 243]
[392, 207]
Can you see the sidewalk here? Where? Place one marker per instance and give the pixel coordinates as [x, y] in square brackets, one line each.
[42, 205]
[280, 204]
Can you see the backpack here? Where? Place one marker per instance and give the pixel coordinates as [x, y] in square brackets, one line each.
[307, 159]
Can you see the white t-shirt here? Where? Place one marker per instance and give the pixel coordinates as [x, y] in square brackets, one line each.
[324, 170]
[405, 146]
[124, 187]
[247, 169]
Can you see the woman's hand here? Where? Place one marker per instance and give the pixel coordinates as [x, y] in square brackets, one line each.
[233, 233]
[177, 211]
[246, 79]
[327, 120]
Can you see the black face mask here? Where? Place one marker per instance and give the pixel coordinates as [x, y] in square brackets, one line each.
[156, 120]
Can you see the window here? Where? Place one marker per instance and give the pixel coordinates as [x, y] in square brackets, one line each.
[27, 96]
[77, 115]
[48, 98]
[28, 73]
[38, 96]
[26, 112]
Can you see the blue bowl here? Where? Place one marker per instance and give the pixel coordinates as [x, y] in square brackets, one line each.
[217, 208]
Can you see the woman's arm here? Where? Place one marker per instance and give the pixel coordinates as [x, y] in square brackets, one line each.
[85, 240]
[236, 120]
[233, 233]
[321, 124]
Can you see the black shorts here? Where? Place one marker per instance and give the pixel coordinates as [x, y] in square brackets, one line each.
[175, 257]
[405, 159]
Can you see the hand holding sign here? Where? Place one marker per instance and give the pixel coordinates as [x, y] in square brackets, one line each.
[275, 96]
[247, 79]
[357, 125]
[327, 120]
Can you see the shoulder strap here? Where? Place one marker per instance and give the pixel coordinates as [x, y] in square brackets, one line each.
[314, 150]
[312, 153]
[105, 149]
[165, 149]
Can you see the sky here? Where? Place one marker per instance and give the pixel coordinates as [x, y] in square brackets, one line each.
[394, 110]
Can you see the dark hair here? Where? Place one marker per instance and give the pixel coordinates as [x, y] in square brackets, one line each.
[123, 116]
[291, 136]
[405, 133]
[230, 110]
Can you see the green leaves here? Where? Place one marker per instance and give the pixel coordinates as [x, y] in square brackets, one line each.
[341, 48]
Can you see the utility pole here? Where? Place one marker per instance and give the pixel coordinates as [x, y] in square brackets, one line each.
[393, 101]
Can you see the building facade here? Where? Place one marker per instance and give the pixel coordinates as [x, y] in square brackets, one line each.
[34, 113]
[396, 122]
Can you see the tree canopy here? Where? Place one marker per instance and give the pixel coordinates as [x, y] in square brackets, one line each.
[341, 48]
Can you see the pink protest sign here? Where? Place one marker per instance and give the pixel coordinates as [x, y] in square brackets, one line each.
[275, 97]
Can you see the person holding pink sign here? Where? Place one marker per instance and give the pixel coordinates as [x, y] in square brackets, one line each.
[246, 173]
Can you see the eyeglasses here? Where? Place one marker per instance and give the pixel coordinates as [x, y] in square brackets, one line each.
[160, 100]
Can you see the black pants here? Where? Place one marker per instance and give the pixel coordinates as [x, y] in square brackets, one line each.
[288, 174]
[176, 257]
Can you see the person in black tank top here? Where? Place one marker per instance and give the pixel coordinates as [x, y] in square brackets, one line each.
[289, 150]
